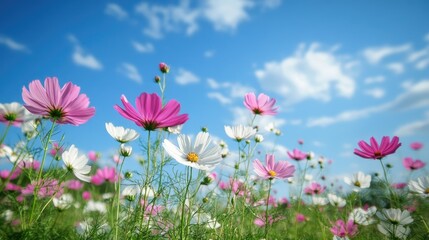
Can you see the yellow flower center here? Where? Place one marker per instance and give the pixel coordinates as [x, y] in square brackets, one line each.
[192, 157]
[272, 173]
[427, 191]
[357, 184]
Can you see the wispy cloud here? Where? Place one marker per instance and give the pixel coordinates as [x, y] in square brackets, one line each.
[396, 67]
[219, 97]
[310, 73]
[414, 128]
[223, 15]
[375, 92]
[13, 45]
[209, 54]
[226, 14]
[131, 72]
[185, 77]
[415, 96]
[230, 90]
[375, 79]
[81, 57]
[143, 47]
[375, 54]
[116, 11]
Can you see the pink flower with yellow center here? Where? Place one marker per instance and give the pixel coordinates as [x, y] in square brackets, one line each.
[63, 105]
[263, 105]
[150, 114]
[280, 169]
[376, 151]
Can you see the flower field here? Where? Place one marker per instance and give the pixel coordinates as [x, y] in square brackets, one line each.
[51, 190]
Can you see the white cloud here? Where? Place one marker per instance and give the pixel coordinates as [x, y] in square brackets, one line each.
[143, 47]
[226, 14]
[131, 72]
[234, 89]
[85, 59]
[375, 92]
[396, 67]
[310, 73]
[168, 18]
[185, 77]
[376, 54]
[116, 11]
[219, 97]
[427, 37]
[209, 54]
[376, 79]
[12, 44]
[415, 96]
[271, 3]
[422, 64]
[412, 57]
[82, 58]
[414, 128]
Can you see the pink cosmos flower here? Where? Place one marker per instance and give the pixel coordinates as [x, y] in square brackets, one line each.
[86, 195]
[35, 165]
[14, 114]
[375, 151]
[103, 175]
[400, 185]
[150, 114]
[56, 150]
[263, 105]
[300, 218]
[314, 189]
[260, 221]
[411, 164]
[342, 229]
[47, 188]
[280, 170]
[74, 184]
[63, 105]
[297, 155]
[4, 174]
[416, 145]
[93, 156]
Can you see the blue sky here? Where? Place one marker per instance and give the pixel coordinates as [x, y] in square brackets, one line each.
[341, 71]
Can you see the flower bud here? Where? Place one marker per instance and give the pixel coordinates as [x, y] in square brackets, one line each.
[157, 79]
[128, 175]
[125, 151]
[164, 68]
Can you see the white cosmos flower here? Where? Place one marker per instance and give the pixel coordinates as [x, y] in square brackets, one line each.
[95, 206]
[5, 151]
[63, 202]
[320, 201]
[239, 132]
[130, 192]
[358, 181]
[362, 217]
[392, 230]
[125, 151]
[199, 155]
[336, 201]
[121, 134]
[420, 186]
[76, 163]
[395, 216]
[176, 129]
[14, 113]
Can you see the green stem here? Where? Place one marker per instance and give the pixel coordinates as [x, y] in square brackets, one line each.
[118, 192]
[5, 133]
[182, 218]
[266, 210]
[39, 175]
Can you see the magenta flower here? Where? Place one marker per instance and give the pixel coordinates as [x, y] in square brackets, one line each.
[263, 105]
[297, 155]
[375, 151]
[314, 189]
[164, 68]
[74, 184]
[280, 169]
[93, 156]
[300, 218]
[150, 114]
[411, 164]
[342, 229]
[63, 105]
[86, 195]
[104, 174]
[416, 145]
